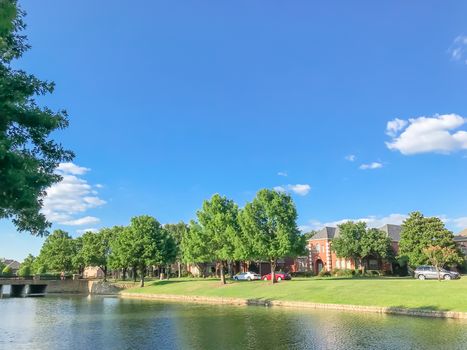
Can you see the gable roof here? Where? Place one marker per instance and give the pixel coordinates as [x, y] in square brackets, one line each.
[393, 231]
[12, 263]
[325, 233]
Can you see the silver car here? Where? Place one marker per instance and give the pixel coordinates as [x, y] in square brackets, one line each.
[246, 276]
[429, 272]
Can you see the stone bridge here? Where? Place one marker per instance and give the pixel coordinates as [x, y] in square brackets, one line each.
[19, 287]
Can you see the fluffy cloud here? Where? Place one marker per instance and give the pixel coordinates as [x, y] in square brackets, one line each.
[86, 220]
[70, 197]
[458, 49]
[351, 157]
[428, 134]
[301, 190]
[371, 166]
[371, 221]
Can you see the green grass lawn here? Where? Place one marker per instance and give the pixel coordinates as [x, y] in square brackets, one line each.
[384, 291]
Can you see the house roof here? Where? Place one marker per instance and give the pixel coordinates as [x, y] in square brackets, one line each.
[325, 233]
[461, 236]
[393, 231]
[12, 263]
[463, 233]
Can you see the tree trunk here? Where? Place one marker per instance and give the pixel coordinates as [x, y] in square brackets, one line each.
[222, 273]
[105, 273]
[142, 270]
[273, 271]
[439, 273]
[179, 270]
[124, 273]
[134, 273]
[362, 266]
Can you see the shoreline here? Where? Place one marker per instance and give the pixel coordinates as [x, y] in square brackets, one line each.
[297, 304]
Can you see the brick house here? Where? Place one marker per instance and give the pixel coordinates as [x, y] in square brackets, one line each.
[321, 256]
[461, 241]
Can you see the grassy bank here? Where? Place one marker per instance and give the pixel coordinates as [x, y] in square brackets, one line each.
[390, 292]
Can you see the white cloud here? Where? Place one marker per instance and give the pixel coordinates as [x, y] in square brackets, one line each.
[458, 49]
[430, 134]
[371, 221]
[70, 197]
[80, 232]
[282, 173]
[70, 168]
[351, 157]
[394, 126]
[300, 189]
[86, 220]
[371, 166]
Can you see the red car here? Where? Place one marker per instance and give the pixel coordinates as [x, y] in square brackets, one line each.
[279, 276]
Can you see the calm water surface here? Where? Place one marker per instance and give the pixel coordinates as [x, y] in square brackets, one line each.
[109, 323]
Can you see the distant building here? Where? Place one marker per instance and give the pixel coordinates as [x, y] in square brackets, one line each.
[322, 257]
[91, 272]
[13, 264]
[461, 241]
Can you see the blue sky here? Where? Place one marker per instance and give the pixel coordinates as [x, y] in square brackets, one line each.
[356, 108]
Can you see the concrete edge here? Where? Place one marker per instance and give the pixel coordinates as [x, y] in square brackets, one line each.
[297, 304]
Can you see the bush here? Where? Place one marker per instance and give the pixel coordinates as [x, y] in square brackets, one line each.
[343, 272]
[7, 272]
[324, 273]
[24, 271]
[302, 274]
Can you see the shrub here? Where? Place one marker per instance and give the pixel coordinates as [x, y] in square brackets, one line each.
[24, 271]
[302, 274]
[324, 273]
[7, 272]
[343, 272]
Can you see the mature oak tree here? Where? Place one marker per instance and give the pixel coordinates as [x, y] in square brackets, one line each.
[28, 156]
[269, 222]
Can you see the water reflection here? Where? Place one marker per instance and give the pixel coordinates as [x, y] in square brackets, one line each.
[110, 323]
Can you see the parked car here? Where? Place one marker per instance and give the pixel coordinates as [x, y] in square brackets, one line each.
[246, 276]
[279, 276]
[429, 272]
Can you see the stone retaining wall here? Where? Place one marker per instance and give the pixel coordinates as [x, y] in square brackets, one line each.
[298, 304]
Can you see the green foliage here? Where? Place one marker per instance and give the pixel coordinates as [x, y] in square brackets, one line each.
[195, 244]
[324, 273]
[357, 242]
[57, 252]
[440, 256]
[7, 272]
[418, 233]
[41, 270]
[2, 265]
[177, 232]
[24, 271]
[348, 243]
[141, 244]
[343, 273]
[28, 155]
[219, 220]
[269, 226]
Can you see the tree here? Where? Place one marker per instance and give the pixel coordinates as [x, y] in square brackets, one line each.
[348, 243]
[440, 256]
[7, 271]
[195, 246]
[121, 256]
[27, 266]
[28, 156]
[420, 232]
[219, 220]
[177, 231]
[95, 248]
[375, 242]
[144, 243]
[269, 222]
[57, 252]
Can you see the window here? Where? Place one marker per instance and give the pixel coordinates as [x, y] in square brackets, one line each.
[373, 264]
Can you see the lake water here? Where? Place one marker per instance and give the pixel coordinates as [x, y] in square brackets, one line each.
[76, 322]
